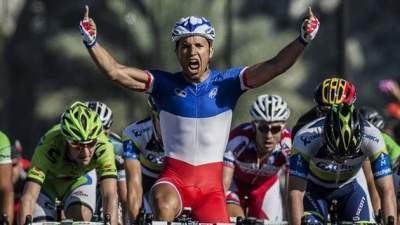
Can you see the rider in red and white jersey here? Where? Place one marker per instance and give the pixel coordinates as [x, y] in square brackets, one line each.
[255, 153]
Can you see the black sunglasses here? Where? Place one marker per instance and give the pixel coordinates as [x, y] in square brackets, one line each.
[265, 128]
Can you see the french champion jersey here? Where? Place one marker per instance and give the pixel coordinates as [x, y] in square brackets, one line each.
[5, 149]
[195, 118]
[140, 143]
[311, 160]
[241, 154]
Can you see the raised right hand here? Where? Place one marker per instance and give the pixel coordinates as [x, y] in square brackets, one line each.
[309, 27]
[88, 30]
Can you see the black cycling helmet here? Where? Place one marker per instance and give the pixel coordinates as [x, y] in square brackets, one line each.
[334, 91]
[343, 131]
[373, 117]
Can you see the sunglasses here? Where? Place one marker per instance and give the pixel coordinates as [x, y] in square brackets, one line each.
[265, 128]
[81, 146]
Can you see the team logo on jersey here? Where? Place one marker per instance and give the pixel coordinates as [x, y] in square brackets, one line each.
[138, 133]
[372, 138]
[180, 92]
[127, 145]
[213, 93]
[334, 168]
[307, 139]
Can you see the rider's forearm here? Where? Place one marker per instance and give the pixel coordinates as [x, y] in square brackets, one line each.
[122, 198]
[261, 73]
[27, 204]
[110, 206]
[295, 206]
[288, 56]
[134, 203]
[389, 205]
[129, 77]
[104, 61]
[7, 197]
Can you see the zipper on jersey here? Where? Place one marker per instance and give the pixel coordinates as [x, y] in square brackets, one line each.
[337, 172]
[196, 138]
[258, 166]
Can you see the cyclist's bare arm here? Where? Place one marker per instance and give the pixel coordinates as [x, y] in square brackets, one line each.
[373, 192]
[297, 187]
[6, 191]
[129, 77]
[28, 200]
[261, 73]
[134, 183]
[132, 78]
[227, 178]
[122, 196]
[388, 198]
[109, 196]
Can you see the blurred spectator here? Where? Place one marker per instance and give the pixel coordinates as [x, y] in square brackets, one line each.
[19, 167]
[391, 87]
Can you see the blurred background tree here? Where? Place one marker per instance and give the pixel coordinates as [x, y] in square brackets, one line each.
[44, 66]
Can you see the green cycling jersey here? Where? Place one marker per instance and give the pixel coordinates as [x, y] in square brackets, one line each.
[5, 149]
[52, 168]
[393, 149]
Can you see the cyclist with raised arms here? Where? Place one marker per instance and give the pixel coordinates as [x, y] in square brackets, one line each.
[144, 159]
[106, 116]
[329, 92]
[195, 108]
[326, 157]
[393, 149]
[6, 185]
[64, 167]
[255, 153]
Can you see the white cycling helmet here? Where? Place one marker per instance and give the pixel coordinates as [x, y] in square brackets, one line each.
[270, 108]
[193, 25]
[103, 111]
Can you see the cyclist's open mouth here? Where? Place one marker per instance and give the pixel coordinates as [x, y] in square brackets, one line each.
[194, 64]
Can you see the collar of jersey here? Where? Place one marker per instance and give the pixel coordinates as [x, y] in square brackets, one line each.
[201, 84]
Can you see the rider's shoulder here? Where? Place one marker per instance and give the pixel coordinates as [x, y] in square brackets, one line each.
[286, 133]
[309, 136]
[3, 136]
[158, 72]
[114, 137]
[138, 129]
[228, 73]
[372, 135]
[53, 136]
[244, 130]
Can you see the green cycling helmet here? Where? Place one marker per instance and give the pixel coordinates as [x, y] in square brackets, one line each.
[343, 131]
[80, 124]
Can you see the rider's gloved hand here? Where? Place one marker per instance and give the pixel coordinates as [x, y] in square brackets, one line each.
[88, 30]
[309, 28]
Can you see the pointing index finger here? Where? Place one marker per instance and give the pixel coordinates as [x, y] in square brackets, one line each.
[310, 13]
[86, 15]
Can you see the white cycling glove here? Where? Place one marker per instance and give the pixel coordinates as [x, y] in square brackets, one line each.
[309, 28]
[88, 31]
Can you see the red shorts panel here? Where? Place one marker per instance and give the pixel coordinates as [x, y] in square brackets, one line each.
[200, 187]
[251, 198]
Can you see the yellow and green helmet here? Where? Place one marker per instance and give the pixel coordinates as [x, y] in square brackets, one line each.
[80, 124]
[343, 131]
